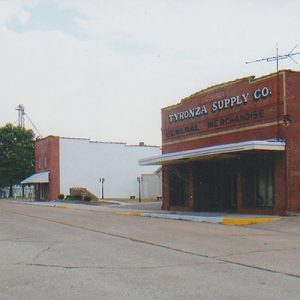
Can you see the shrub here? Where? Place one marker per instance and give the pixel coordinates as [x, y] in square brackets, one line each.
[73, 197]
[87, 198]
[61, 196]
[77, 197]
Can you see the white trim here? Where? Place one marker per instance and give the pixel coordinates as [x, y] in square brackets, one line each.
[269, 145]
[42, 177]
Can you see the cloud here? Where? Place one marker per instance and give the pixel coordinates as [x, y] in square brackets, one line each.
[9, 9]
[23, 16]
[107, 69]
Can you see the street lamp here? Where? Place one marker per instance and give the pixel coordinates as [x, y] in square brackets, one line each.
[102, 185]
[139, 180]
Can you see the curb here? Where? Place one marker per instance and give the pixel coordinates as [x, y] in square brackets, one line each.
[63, 206]
[214, 220]
[248, 221]
[129, 213]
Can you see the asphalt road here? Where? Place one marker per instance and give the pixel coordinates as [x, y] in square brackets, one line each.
[68, 253]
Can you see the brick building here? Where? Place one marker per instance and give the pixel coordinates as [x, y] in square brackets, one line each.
[64, 163]
[234, 147]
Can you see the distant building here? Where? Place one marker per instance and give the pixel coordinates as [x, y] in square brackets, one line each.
[64, 163]
[234, 147]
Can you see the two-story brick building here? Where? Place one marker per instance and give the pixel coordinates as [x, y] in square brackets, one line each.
[234, 147]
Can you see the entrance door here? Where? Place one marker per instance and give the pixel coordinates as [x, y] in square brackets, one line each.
[216, 186]
[227, 190]
[41, 191]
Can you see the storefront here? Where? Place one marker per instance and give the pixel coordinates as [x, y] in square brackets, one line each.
[234, 147]
[40, 181]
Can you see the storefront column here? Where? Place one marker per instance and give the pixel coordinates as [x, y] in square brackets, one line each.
[191, 187]
[165, 188]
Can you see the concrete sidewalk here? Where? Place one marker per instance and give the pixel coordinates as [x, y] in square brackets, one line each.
[152, 210]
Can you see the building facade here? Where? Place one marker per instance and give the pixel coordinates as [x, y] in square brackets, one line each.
[108, 169]
[234, 147]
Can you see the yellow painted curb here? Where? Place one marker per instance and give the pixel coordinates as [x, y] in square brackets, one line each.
[129, 213]
[247, 221]
[63, 206]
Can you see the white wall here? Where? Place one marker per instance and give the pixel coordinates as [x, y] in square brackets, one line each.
[83, 162]
[151, 186]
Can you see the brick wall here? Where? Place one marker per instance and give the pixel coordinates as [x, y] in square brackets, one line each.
[47, 159]
[292, 132]
[259, 117]
[182, 130]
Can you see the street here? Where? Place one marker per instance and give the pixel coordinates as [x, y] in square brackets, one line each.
[69, 253]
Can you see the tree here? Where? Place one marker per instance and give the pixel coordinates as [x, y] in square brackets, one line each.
[16, 155]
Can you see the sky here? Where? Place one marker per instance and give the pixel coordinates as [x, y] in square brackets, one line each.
[103, 69]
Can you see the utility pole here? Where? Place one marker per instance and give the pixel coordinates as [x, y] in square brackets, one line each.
[102, 186]
[139, 180]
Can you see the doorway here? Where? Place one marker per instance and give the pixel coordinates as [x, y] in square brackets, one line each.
[41, 191]
[215, 186]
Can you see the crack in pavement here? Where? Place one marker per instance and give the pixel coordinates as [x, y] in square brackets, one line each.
[259, 268]
[261, 228]
[118, 267]
[254, 252]
[25, 240]
[44, 251]
[160, 246]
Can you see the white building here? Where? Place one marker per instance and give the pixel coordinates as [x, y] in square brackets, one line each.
[64, 163]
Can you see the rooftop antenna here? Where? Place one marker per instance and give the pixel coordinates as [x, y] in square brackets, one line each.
[277, 57]
[285, 118]
[21, 119]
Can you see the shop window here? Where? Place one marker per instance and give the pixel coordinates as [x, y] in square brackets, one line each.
[178, 185]
[258, 182]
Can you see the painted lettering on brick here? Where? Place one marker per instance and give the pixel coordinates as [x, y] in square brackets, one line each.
[225, 104]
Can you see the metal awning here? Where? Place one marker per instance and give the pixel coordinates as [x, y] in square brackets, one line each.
[42, 177]
[214, 151]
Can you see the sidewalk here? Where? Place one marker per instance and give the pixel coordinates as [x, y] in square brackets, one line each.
[152, 210]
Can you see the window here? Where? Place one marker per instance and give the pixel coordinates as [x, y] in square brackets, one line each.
[258, 181]
[179, 185]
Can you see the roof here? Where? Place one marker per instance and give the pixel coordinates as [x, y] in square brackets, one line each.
[141, 144]
[250, 79]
